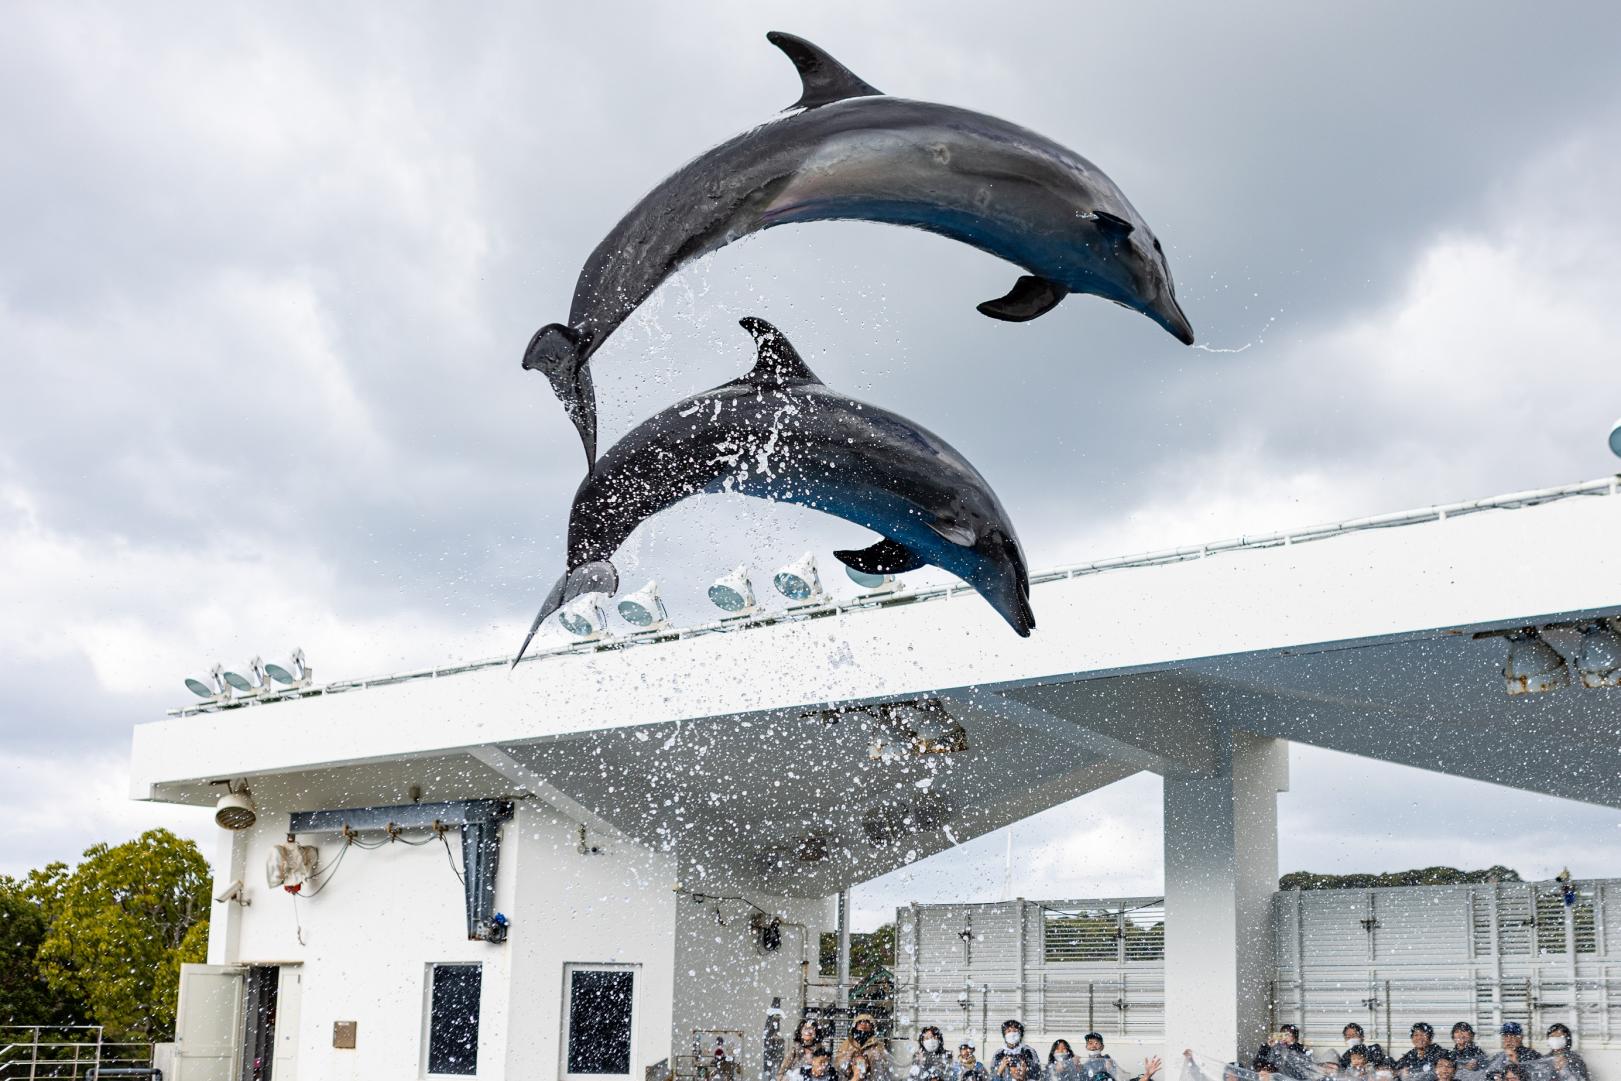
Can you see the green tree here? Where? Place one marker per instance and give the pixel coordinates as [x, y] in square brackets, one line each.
[869, 951]
[1419, 876]
[26, 907]
[120, 927]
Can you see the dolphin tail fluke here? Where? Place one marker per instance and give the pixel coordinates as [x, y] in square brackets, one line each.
[559, 352]
[598, 576]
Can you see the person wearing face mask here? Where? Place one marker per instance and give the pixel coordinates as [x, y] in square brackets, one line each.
[862, 1056]
[818, 1065]
[1014, 1047]
[931, 1059]
[1098, 1064]
[1568, 1065]
[1061, 1064]
[1465, 1052]
[967, 1067]
[1353, 1036]
[798, 1053]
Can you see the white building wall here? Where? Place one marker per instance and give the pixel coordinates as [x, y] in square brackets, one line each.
[370, 934]
[724, 980]
[612, 907]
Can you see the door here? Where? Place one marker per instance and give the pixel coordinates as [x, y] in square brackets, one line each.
[208, 1023]
[289, 993]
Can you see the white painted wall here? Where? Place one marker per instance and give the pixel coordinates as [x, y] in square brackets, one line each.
[617, 906]
[724, 980]
[387, 914]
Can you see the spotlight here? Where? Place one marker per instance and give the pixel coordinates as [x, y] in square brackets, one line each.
[218, 692]
[583, 616]
[873, 583]
[644, 608]
[734, 593]
[1615, 439]
[1599, 661]
[243, 685]
[235, 810]
[295, 673]
[1533, 665]
[798, 581]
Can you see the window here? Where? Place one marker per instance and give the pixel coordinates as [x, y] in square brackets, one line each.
[601, 1020]
[453, 1018]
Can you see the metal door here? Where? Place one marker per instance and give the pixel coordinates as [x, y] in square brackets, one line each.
[208, 1023]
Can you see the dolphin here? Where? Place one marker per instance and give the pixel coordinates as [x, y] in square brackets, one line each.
[778, 433]
[845, 150]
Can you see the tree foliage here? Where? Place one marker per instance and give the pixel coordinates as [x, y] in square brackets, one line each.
[1420, 876]
[119, 927]
[868, 952]
[25, 997]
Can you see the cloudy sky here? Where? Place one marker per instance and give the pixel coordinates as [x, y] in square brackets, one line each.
[268, 274]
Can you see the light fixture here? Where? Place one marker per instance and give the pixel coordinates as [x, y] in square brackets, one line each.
[1615, 439]
[245, 686]
[235, 809]
[295, 673]
[644, 608]
[583, 616]
[799, 582]
[734, 593]
[1533, 665]
[873, 583]
[1599, 660]
[217, 692]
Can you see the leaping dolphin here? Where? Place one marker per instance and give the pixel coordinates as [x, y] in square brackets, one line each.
[851, 152]
[778, 433]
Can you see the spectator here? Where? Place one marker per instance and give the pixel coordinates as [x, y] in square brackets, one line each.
[1384, 1072]
[931, 1059]
[862, 1056]
[1061, 1064]
[967, 1067]
[1284, 1053]
[1014, 1047]
[1420, 1061]
[1465, 1052]
[1568, 1065]
[1446, 1068]
[1358, 1061]
[798, 1056]
[1354, 1035]
[818, 1065]
[1327, 1061]
[1098, 1063]
[1513, 1053]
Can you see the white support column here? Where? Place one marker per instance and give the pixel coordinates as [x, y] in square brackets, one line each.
[842, 968]
[225, 917]
[1221, 869]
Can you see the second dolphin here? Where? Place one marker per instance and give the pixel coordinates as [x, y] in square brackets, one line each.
[779, 433]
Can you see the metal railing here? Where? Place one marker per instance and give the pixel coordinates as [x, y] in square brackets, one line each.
[69, 1053]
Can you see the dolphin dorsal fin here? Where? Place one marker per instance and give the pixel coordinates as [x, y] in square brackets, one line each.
[777, 361]
[826, 80]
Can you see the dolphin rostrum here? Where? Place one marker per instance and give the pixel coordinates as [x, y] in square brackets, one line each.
[778, 433]
[851, 152]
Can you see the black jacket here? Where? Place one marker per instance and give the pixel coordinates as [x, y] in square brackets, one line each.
[1469, 1056]
[1291, 1060]
[1421, 1062]
[1376, 1056]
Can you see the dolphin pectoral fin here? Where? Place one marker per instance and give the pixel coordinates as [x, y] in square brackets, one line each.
[1030, 296]
[885, 557]
[554, 601]
[826, 80]
[954, 532]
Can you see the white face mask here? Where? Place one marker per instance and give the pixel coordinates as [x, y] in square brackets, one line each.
[931, 1045]
[1556, 1042]
[1011, 1039]
[1060, 1055]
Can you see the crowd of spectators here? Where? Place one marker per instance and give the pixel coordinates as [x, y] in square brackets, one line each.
[1362, 1059]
